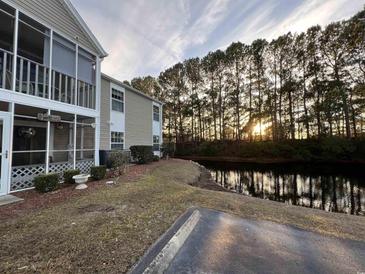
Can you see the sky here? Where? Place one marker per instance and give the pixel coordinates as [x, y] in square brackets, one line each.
[145, 37]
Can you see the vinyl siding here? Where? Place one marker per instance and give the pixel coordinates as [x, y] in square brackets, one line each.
[105, 115]
[53, 13]
[138, 121]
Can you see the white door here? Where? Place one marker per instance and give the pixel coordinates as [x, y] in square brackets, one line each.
[4, 152]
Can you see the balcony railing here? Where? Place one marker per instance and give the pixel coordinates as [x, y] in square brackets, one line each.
[6, 67]
[32, 78]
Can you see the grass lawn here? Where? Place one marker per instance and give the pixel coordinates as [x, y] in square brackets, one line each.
[107, 230]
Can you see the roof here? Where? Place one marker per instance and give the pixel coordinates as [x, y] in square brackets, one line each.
[120, 83]
[75, 14]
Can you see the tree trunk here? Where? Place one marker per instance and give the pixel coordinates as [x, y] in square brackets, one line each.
[305, 102]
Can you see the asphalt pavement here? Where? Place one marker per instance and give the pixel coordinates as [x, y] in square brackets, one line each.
[222, 243]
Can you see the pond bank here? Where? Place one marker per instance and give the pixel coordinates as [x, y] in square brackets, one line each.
[260, 160]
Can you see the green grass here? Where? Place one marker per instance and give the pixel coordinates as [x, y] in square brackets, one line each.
[108, 230]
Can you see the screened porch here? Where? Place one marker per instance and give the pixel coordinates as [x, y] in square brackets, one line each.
[44, 63]
[46, 141]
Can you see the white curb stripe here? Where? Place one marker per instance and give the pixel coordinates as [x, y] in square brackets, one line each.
[167, 254]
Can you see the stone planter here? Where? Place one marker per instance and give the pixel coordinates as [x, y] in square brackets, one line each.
[81, 180]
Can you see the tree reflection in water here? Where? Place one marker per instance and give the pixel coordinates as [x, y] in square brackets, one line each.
[332, 188]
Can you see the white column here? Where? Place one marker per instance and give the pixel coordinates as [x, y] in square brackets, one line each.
[15, 48]
[50, 74]
[48, 142]
[76, 74]
[97, 106]
[75, 129]
[10, 156]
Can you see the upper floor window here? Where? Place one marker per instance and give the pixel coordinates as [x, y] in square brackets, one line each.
[117, 100]
[156, 113]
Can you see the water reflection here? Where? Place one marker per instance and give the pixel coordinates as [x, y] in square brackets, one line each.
[330, 188]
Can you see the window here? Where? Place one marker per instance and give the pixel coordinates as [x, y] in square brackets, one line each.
[156, 143]
[117, 140]
[156, 113]
[117, 100]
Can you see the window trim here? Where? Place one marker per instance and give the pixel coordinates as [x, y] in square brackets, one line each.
[155, 144]
[117, 143]
[122, 91]
[153, 113]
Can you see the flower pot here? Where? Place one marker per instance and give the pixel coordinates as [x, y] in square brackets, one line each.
[81, 180]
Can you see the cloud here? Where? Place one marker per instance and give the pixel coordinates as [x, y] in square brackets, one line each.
[146, 36]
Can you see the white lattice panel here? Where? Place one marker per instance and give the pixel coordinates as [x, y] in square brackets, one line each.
[60, 168]
[84, 166]
[22, 176]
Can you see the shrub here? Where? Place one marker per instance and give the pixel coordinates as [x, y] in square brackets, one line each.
[118, 159]
[168, 149]
[98, 172]
[142, 154]
[68, 174]
[156, 158]
[46, 183]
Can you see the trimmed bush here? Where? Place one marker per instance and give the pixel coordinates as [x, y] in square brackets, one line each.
[156, 158]
[46, 183]
[68, 174]
[98, 172]
[118, 159]
[142, 154]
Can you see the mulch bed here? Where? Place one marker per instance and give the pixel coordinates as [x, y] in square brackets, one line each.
[34, 200]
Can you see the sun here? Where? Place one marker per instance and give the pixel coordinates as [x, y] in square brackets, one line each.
[256, 129]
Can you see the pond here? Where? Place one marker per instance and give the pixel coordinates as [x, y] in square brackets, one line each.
[335, 188]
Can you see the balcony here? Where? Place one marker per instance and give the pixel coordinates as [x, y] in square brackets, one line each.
[47, 65]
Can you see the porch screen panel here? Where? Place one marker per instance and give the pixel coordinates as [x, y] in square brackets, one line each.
[86, 67]
[61, 154]
[29, 147]
[85, 143]
[86, 79]
[64, 70]
[63, 56]
[6, 27]
[33, 57]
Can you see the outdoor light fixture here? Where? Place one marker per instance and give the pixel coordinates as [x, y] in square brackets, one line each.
[27, 132]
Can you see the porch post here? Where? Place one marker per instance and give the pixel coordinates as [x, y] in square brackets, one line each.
[76, 74]
[10, 156]
[74, 152]
[50, 65]
[97, 106]
[47, 142]
[15, 49]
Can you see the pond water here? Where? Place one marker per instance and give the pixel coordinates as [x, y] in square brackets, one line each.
[335, 188]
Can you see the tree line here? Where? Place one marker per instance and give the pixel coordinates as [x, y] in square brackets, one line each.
[298, 86]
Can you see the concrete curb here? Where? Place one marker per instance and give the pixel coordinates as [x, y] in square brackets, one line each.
[158, 258]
